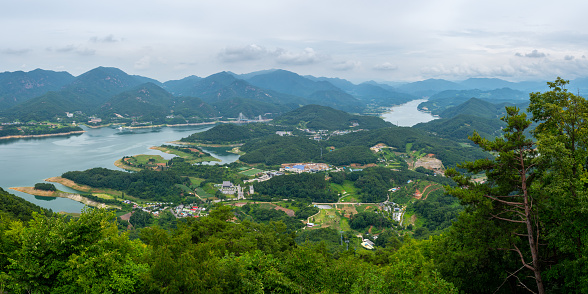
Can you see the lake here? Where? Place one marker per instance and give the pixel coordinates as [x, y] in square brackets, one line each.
[26, 162]
[408, 115]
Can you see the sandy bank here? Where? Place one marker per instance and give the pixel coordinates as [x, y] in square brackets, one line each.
[41, 136]
[74, 197]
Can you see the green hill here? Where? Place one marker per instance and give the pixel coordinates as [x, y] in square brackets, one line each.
[230, 134]
[461, 126]
[86, 93]
[144, 100]
[193, 107]
[19, 86]
[16, 208]
[475, 107]
[318, 117]
[250, 108]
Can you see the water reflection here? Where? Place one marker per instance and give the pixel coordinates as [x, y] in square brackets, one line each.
[408, 115]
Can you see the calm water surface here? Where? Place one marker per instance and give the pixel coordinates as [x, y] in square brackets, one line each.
[407, 115]
[25, 162]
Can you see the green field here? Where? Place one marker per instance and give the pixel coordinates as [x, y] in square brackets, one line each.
[203, 193]
[195, 181]
[251, 172]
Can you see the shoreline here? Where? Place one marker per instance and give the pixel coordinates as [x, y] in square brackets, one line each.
[42, 136]
[61, 194]
[183, 125]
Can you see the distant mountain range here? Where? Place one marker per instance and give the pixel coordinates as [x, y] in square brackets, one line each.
[109, 92]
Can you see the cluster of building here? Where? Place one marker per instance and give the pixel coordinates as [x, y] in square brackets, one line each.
[304, 167]
[284, 133]
[188, 211]
[228, 188]
[368, 244]
[264, 176]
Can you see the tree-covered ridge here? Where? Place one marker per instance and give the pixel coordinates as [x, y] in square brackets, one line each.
[146, 184]
[318, 117]
[448, 151]
[16, 208]
[231, 133]
[37, 129]
[206, 255]
[306, 186]
[460, 127]
[274, 149]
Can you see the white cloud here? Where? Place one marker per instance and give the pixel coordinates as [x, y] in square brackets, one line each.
[244, 53]
[534, 54]
[108, 39]
[307, 56]
[346, 65]
[385, 66]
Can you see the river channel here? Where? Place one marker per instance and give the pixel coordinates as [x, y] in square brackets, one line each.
[408, 115]
[24, 162]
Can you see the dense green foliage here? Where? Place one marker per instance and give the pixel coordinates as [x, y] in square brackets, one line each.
[210, 173]
[231, 133]
[318, 117]
[439, 210]
[45, 187]
[140, 219]
[37, 129]
[250, 108]
[59, 255]
[483, 100]
[460, 127]
[275, 149]
[448, 151]
[366, 219]
[374, 182]
[350, 154]
[304, 186]
[146, 184]
[13, 207]
[266, 215]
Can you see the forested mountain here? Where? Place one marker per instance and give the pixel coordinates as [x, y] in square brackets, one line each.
[447, 99]
[315, 92]
[144, 100]
[197, 87]
[476, 107]
[318, 117]
[378, 94]
[429, 87]
[369, 92]
[16, 208]
[448, 151]
[290, 83]
[177, 87]
[251, 108]
[193, 107]
[461, 126]
[231, 134]
[19, 86]
[485, 84]
[231, 96]
[85, 93]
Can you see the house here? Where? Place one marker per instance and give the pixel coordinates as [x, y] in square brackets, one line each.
[228, 188]
[367, 245]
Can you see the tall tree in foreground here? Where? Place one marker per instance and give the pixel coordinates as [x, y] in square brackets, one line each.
[507, 198]
[562, 141]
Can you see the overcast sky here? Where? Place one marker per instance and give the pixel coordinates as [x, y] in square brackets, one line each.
[355, 40]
